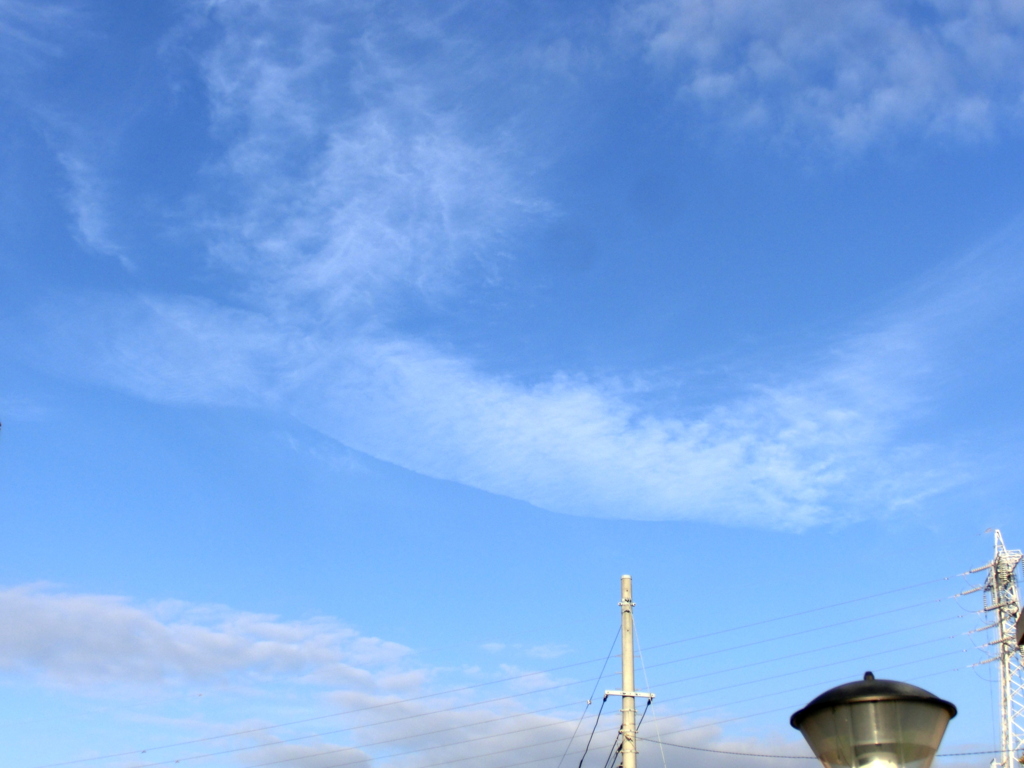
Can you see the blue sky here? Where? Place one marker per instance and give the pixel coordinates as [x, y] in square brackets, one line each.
[352, 350]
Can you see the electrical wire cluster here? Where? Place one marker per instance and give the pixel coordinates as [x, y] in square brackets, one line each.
[559, 738]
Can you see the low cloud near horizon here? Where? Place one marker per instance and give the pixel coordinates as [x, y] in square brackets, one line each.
[104, 646]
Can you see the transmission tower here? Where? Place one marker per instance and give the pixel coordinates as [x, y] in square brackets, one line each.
[1002, 597]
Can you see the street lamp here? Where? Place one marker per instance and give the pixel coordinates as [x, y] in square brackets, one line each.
[875, 724]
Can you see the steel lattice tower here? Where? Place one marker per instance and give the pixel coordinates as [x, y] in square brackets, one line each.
[1002, 597]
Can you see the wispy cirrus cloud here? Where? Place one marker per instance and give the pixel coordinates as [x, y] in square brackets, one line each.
[352, 181]
[90, 209]
[854, 71]
[345, 184]
[821, 447]
[28, 28]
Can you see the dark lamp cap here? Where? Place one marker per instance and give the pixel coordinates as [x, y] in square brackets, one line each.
[869, 689]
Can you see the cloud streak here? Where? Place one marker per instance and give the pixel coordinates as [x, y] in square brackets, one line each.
[823, 447]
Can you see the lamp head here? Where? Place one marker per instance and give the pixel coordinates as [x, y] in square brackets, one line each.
[875, 724]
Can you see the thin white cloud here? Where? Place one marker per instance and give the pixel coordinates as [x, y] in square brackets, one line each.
[28, 29]
[826, 445]
[340, 203]
[852, 70]
[779, 458]
[547, 651]
[353, 183]
[82, 639]
[89, 210]
[786, 456]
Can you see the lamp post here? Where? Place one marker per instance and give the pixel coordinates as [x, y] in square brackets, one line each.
[875, 724]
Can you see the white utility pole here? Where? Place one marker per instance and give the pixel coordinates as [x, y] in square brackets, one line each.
[1003, 597]
[628, 692]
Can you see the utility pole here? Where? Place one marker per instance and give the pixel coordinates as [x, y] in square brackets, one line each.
[1002, 597]
[628, 693]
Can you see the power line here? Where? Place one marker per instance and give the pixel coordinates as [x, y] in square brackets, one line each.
[804, 632]
[647, 683]
[507, 733]
[798, 688]
[520, 730]
[356, 710]
[371, 725]
[413, 751]
[804, 613]
[518, 677]
[729, 752]
[236, 750]
[472, 704]
[777, 709]
[444, 762]
[388, 741]
[798, 757]
[543, 743]
[611, 752]
[812, 650]
[589, 700]
[817, 650]
[468, 705]
[591, 739]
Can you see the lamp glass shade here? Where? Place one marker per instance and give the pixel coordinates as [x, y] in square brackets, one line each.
[876, 734]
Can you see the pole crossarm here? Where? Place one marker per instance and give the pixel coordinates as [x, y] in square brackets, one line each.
[634, 694]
